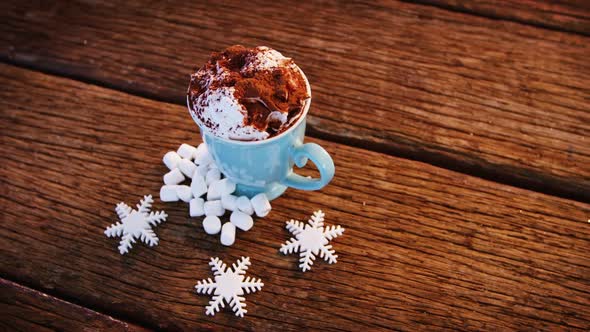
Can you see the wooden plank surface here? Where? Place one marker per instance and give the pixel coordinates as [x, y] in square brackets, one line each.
[497, 99]
[424, 247]
[25, 309]
[568, 15]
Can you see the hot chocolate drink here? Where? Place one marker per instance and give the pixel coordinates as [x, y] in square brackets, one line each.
[247, 94]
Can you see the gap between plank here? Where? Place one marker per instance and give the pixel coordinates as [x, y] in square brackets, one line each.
[502, 175]
[492, 16]
[116, 315]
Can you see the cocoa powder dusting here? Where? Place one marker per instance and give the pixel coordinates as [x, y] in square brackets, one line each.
[273, 98]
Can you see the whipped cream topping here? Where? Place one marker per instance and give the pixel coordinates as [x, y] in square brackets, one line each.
[230, 96]
[226, 115]
[265, 59]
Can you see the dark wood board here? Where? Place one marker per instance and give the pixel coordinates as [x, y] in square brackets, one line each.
[563, 15]
[25, 309]
[424, 247]
[496, 99]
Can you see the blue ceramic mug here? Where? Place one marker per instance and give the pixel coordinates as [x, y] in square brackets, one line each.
[267, 166]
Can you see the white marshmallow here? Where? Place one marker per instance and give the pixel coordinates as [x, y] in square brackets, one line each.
[241, 220]
[214, 208]
[168, 193]
[228, 234]
[173, 177]
[198, 186]
[227, 187]
[213, 175]
[202, 156]
[261, 205]
[171, 160]
[244, 205]
[220, 188]
[184, 193]
[212, 225]
[187, 167]
[229, 202]
[196, 208]
[186, 151]
[202, 170]
[213, 192]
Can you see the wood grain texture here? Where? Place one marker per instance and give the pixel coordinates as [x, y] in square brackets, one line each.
[25, 309]
[500, 100]
[564, 15]
[424, 247]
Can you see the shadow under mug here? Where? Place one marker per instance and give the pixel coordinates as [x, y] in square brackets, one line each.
[267, 166]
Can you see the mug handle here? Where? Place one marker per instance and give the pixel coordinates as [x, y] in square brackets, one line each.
[320, 158]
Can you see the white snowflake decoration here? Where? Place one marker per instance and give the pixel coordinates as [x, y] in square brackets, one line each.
[311, 239]
[229, 285]
[136, 224]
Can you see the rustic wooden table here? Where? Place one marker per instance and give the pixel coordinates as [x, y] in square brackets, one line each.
[459, 130]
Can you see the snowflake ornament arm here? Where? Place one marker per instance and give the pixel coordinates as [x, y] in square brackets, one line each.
[317, 219]
[136, 224]
[214, 304]
[306, 258]
[123, 210]
[292, 245]
[238, 305]
[145, 204]
[154, 218]
[218, 266]
[241, 266]
[332, 232]
[126, 243]
[149, 237]
[114, 230]
[229, 286]
[311, 240]
[206, 286]
[251, 285]
[328, 254]
[295, 226]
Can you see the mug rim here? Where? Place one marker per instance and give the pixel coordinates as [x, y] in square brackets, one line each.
[251, 143]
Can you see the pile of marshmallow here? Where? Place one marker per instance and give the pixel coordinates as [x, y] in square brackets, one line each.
[209, 193]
